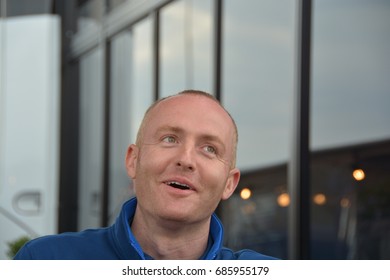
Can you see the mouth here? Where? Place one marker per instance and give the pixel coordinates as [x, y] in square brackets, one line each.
[178, 185]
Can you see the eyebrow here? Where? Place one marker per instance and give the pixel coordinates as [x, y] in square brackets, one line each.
[169, 128]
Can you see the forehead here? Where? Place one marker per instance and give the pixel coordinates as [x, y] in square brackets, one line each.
[193, 112]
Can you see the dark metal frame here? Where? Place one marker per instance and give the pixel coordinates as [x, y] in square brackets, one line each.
[70, 117]
[299, 166]
[106, 153]
[156, 54]
[217, 48]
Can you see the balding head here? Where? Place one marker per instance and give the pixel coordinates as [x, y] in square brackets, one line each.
[201, 94]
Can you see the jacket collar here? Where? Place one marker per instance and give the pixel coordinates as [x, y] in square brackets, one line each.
[128, 247]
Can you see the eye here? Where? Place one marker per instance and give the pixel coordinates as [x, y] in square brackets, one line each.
[169, 139]
[210, 149]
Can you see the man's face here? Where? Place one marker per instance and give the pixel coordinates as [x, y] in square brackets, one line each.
[183, 165]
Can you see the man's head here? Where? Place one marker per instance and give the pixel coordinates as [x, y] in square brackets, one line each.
[183, 162]
[191, 92]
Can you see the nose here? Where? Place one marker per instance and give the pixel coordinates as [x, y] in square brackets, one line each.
[186, 158]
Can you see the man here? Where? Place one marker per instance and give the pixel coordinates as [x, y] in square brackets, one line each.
[182, 166]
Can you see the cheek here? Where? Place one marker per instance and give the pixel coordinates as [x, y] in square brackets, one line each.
[150, 161]
[215, 177]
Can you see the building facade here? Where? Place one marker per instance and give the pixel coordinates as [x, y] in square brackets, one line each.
[314, 129]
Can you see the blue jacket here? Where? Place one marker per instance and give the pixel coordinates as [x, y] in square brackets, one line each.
[117, 242]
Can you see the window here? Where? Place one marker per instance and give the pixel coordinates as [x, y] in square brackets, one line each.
[350, 130]
[131, 94]
[257, 90]
[186, 46]
[91, 138]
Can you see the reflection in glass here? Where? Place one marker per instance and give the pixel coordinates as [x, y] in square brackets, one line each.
[350, 130]
[245, 193]
[283, 199]
[258, 78]
[91, 139]
[358, 174]
[120, 125]
[131, 94]
[141, 72]
[186, 46]
[257, 90]
[350, 95]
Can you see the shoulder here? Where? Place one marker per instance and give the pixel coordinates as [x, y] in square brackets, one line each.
[70, 245]
[245, 254]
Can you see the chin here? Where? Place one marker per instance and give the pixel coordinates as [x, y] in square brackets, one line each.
[176, 217]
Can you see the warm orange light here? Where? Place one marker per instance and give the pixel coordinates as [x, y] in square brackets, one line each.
[358, 174]
[319, 199]
[245, 193]
[345, 202]
[283, 200]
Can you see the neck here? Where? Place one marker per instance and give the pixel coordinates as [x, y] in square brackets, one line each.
[170, 240]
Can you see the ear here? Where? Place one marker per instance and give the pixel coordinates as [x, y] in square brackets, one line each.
[231, 183]
[131, 160]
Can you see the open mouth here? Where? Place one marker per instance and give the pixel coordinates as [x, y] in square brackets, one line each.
[178, 185]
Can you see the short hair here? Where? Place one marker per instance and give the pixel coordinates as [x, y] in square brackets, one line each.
[189, 92]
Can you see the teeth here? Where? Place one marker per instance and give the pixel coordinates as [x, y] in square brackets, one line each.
[178, 185]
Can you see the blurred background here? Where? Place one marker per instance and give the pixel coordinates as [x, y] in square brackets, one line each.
[307, 82]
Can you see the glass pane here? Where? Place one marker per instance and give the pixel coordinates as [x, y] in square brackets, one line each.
[351, 84]
[131, 94]
[186, 46]
[91, 139]
[142, 85]
[350, 130]
[26, 7]
[257, 89]
[120, 126]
